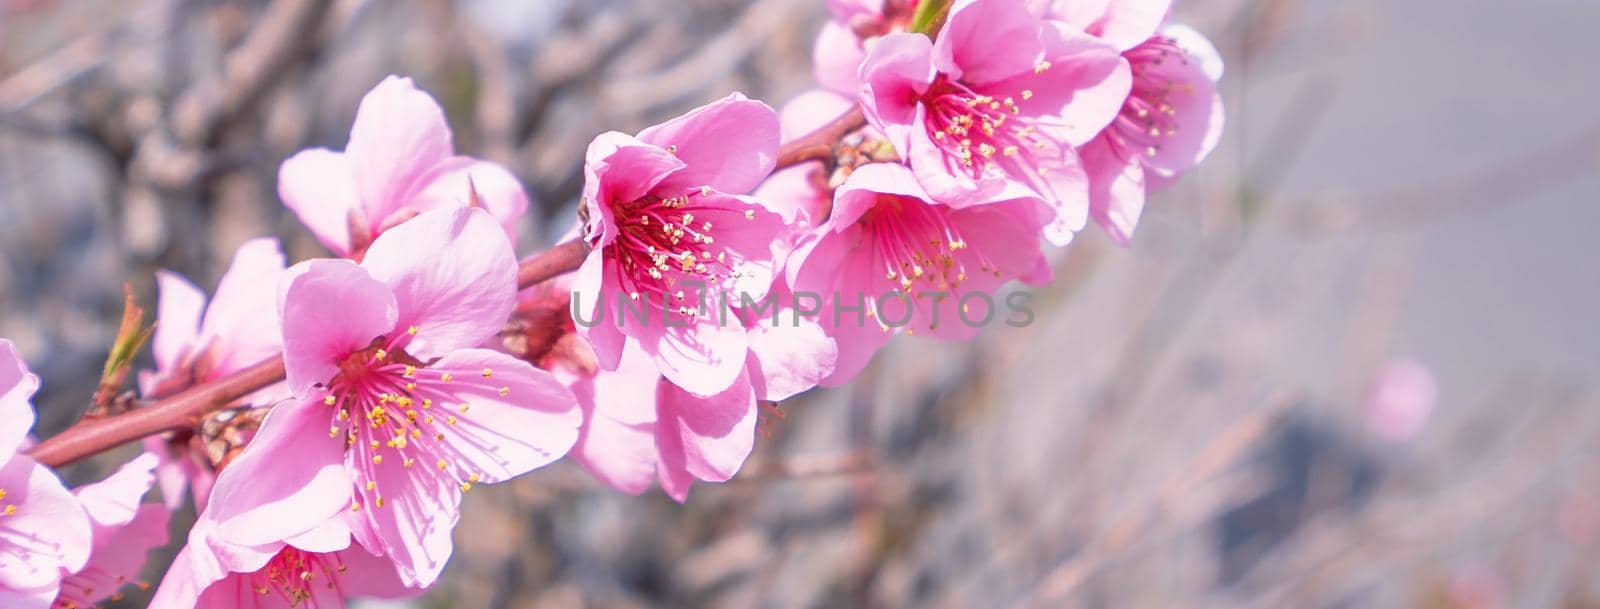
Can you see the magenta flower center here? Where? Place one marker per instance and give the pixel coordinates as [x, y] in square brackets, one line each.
[662, 243]
[1149, 116]
[293, 575]
[391, 408]
[977, 130]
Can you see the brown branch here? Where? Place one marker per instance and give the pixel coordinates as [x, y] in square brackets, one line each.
[819, 145]
[186, 409]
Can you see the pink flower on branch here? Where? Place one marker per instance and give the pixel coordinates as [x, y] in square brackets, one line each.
[400, 162]
[125, 531]
[1170, 122]
[397, 413]
[996, 105]
[1123, 24]
[44, 533]
[671, 235]
[891, 257]
[317, 570]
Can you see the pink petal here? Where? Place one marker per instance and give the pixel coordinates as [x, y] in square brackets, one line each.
[240, 333]
[1129, 22]
[115, 500]
[41, 598]
[836, 59]
[17, 386]
[1116, 190]
[705, 358]
[705, 437]
[421, 509]
[897, 71]
[987, 40]
[1081, 92]
[730, 145]
[288, 480]
[319, 186]
[399, 134]
[451, 184]
[617, 443]
[595, 296]
[629, 173]
[812, 110]
[789, 358]
[49, 532]
[844, 11]
[179, 305]
[330, 308]
[859, 194]
[454, 277]
[119, 555]
[500, 437]
[372, 576]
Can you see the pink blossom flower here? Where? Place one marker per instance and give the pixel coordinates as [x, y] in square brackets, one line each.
[638, 427]
[1170, 122]
[400, 161]
[125, 531]
[1122, 23]
[671, 235]
[397, 413]
[996, 105]
[44, 533]
[1400, 400]
[317, 570]
[892, 257]
[196, 343]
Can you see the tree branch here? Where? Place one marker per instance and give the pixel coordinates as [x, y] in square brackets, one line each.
[819, 145]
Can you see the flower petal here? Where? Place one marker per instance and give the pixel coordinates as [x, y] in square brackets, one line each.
[706, 437]
[319, 186]
[399, 134]
[454, 277]
[238, 332]
[48, 533]
[988, 40]
[789, 358]
[617, 443]
[330, 308]
[705, 357]
[836, 59]
[17, 386]
[730, 145]
[897, 71]
[510, 423]
[1116, 190]
[460, 180]
[1129, 22]
[115, 500]
[179, 305]
[289, 479]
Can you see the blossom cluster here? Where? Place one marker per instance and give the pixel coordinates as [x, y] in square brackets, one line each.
[980, 144]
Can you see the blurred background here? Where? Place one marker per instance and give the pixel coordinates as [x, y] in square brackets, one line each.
[1236, 411]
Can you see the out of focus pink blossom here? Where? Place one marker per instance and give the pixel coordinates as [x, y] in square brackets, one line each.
[397, 412]
[996, 106]
[1401, 399]
[672, 236]
[400, 161]
[196, 342]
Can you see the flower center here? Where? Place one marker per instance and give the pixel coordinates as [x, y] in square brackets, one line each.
[387, 402]
[293, 575]
[662, 243]
[1149, 116]
[975, 128]
[914, 242]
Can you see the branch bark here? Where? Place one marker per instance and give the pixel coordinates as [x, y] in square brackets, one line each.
[819, 145]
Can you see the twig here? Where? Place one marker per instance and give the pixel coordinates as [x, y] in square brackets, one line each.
[819, 145]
